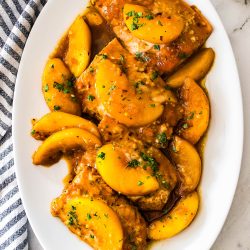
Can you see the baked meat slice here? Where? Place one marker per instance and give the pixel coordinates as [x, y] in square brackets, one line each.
[88, 183]
[195, 29]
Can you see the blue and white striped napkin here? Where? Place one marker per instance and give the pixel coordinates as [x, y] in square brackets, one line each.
[16, 20]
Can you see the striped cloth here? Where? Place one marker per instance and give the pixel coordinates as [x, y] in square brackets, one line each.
[16, 19]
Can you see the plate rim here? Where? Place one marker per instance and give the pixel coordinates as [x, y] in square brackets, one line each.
[240, 124]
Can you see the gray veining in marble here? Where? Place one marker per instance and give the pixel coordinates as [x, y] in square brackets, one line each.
[235, 235]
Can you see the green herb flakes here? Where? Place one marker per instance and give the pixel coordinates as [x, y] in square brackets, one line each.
[90, 98]
[182, 55]
[101, 155]
[133, 163]
[185, 125]
[46, 88]
[150, 161]
[159, 23]
[162, 138]
[157, 47]
[104, 56]
[56, 107]
[89, 217]
[140, 183]
[149, 16]
[154, 75]
[91, 69]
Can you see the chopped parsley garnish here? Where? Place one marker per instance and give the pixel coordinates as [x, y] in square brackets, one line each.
[104, 56]
[149, 16]
[185, 125]
[58, 86]
[140, 57]
[52, 66]
[157, 47]
[154, 75]
[174, 148]
[66, 91]
[165, 184]
[167, 88]
[140, 183]
[72, 217]
[91, 236]
[130, 13]
[33, 132]
[136, 26]
[64, 87]
[70, 84]
[91, 69]
[133, 163]
[46, 88]
[159, 23]
[191, 116]
[89, 217]
[152, 105]
[136, 15]
[101, 155]
[182, 55]
[56, 107]
[151, 162]
[122, 59]
[90, 98]
[162, 138]
[112, 87]
[137, 84]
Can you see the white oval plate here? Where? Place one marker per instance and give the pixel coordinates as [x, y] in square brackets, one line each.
[222, 158]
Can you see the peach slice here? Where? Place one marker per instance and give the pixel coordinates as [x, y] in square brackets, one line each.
[113, 166]
[196, 111]
[176, 220]
[63, 141]
[188, 164]
[154, 29]
[58, 89]
[196, 68]
[56, 121]
[78, 53]
[101, 225]
[120, 100]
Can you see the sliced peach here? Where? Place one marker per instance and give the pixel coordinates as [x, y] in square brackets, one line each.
[113, 166]
[196, 111]
[120, 100]
[155, 29]
[63, 141]
[56, 121]
[100, 224]
[188, 164]
[57, 88]
[78, 53]
[176, 220]
[196, 68]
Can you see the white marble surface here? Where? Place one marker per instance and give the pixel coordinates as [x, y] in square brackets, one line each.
[235, 235]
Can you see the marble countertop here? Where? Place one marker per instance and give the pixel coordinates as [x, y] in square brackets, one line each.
[235, 15]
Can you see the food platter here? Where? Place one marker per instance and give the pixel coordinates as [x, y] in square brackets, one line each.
[222, 156]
